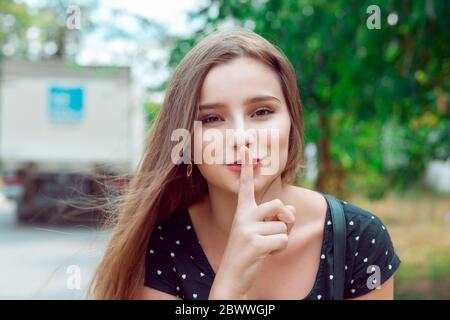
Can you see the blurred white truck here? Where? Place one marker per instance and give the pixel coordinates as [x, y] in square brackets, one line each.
[60, 125]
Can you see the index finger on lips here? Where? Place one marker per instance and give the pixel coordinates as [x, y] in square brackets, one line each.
[246, 196]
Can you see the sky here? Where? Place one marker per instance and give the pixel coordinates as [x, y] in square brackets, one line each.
[172, 14]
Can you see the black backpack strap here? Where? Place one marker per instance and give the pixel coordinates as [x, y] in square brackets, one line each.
[339, 245]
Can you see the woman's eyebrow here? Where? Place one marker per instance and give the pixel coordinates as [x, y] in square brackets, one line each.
[213, 105]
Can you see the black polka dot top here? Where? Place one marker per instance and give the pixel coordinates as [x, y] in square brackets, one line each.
[176, 263]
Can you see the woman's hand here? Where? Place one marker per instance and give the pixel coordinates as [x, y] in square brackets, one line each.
[256, 232]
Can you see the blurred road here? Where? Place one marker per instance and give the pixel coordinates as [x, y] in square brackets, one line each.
[43, 263]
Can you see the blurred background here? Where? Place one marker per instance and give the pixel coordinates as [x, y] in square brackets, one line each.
[81, 81]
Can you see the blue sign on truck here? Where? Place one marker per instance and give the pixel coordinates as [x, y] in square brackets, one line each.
[65, 105]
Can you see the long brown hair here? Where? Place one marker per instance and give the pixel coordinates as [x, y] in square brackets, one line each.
[160, 187]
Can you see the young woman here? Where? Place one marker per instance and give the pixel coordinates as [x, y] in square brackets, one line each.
[205, 230]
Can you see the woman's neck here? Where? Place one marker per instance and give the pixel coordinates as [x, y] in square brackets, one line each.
[221, 204]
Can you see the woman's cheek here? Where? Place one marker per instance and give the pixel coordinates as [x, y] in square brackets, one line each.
[284, 148]
[208, 173]
[212, 172]
[276, 147]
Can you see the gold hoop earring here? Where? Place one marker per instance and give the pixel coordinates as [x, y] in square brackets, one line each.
[189, 170]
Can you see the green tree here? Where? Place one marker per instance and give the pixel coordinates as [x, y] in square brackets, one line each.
[41, 31]
[15, 19]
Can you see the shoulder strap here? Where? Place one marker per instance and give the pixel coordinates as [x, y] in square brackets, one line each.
[339, 245]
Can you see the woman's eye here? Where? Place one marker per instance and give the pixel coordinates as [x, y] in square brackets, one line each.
[263, 112]
[210, 119]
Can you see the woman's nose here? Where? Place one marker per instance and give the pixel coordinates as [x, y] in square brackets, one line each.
[242, 137]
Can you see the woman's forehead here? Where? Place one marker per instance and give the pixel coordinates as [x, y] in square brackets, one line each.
[239, 80]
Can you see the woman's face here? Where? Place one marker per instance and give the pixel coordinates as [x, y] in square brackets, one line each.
[241, 102]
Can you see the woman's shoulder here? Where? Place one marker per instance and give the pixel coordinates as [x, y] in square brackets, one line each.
[361, 219]
[370, 253]
[366, 231]
[369, 245]
[174, 237]
[165, 246]
[312, 205]
[168, 231]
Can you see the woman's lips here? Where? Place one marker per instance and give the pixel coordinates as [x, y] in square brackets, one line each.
[237, 167]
